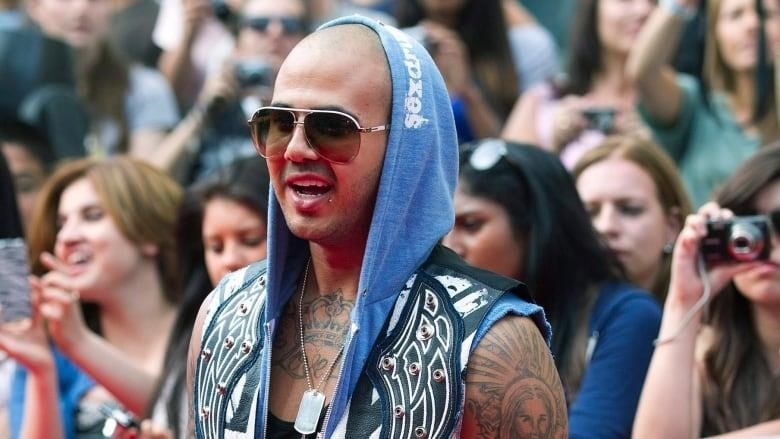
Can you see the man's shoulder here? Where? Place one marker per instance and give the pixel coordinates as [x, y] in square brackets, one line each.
[473, 289]
[443, 263]
[246, 285]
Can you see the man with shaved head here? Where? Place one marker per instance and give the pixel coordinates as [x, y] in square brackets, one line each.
[359, 324]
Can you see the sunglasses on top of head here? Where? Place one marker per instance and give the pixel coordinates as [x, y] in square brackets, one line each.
[333, 135]
[290, 25]
[485, 154]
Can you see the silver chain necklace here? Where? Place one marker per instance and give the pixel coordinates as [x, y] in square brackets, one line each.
[312, 400]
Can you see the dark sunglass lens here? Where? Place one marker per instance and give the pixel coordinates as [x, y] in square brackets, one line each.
[258, 129]
[271, 130]
[334, 136]
[291, 25]
[257, 23]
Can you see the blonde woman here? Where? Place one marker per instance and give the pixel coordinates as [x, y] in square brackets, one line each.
[637, 203]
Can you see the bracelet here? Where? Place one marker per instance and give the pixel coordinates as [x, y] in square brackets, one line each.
[685, 13]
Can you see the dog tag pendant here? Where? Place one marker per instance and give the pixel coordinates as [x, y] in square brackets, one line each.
[309, 411]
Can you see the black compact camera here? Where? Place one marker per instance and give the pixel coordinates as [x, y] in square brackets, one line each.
[740, 239]
[600, 118]
[250, 73]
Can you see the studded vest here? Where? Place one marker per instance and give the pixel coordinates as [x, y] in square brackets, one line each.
[413, 384]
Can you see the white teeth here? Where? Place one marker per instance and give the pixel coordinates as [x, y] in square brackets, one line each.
[77, 258]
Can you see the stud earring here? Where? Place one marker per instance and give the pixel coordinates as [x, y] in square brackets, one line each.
[669, 247]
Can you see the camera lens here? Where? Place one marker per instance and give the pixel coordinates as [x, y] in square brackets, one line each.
[745, 242]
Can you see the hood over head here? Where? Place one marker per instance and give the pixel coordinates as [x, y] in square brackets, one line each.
[413, 208]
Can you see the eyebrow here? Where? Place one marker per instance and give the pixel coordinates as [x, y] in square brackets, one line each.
[620, 199]
[83, 207]
[469, 212]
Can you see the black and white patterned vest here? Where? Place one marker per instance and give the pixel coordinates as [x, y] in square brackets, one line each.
[413, 382]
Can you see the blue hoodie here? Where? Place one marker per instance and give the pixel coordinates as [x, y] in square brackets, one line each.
[413, 211]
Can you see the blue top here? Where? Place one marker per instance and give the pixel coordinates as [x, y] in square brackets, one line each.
[623, 324]
[413, 208]
[72, 383]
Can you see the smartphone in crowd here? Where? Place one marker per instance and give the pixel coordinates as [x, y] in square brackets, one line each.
[14, 287]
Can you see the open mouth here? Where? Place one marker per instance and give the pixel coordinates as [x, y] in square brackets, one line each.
[310, 190]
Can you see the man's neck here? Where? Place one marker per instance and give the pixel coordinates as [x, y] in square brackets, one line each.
[334, 269]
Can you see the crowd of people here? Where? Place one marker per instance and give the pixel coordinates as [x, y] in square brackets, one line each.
[395, 218]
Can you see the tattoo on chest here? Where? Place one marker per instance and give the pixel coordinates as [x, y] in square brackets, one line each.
[326, 321]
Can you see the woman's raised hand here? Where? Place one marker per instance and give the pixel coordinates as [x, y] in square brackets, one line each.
[59, 305]
[686, 285]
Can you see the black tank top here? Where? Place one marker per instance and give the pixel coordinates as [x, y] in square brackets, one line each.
[279, 429]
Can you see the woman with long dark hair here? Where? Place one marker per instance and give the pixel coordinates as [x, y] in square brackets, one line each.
[721, 362]
[221, 228]
[596, 97]
[517, 213]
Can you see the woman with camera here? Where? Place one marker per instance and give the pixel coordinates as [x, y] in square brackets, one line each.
[719, 359]
[596, 98]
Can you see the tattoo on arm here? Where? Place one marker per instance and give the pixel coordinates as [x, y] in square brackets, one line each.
[512, 387]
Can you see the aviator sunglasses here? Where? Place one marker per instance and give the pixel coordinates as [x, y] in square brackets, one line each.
[333, 135]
